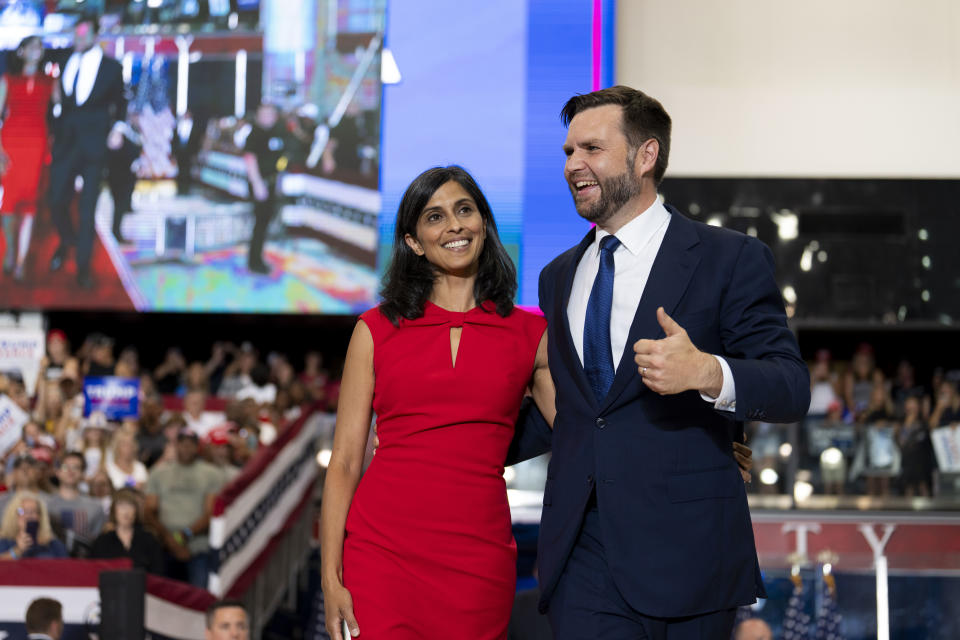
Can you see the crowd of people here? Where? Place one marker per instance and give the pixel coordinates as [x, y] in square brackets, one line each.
[223, 620]
[142, 487]
[868, 431]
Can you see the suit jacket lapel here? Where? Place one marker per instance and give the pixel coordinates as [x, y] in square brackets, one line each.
[567, 349]
[672, 269]
[98, 81]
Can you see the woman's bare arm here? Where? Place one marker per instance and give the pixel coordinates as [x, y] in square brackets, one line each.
[343, 474]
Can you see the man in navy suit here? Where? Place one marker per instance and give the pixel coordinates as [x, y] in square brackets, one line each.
[665, 334]
[92, 104]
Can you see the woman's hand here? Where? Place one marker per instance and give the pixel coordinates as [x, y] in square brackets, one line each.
[744, 456]
[24, 544]
[338, 603]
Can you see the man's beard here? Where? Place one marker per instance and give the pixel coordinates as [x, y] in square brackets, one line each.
[614, 193]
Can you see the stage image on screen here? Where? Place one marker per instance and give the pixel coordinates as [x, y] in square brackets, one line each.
[241, 176]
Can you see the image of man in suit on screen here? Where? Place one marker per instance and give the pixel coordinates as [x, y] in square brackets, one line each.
[93, 102]
[665, 335]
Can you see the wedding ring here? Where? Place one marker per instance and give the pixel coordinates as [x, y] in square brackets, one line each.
[643, 371]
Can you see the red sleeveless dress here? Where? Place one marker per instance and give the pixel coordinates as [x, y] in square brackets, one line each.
[24, 139]
[429, 551]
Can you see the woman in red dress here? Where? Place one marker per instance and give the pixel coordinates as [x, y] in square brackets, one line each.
[25, 94]
[422, 547]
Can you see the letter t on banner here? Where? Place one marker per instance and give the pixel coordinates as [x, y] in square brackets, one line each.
[801, 528]
[880, 561]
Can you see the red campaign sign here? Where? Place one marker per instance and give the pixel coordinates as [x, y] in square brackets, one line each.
[910, 543]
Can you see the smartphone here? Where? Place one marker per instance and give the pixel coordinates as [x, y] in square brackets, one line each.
[33, 526]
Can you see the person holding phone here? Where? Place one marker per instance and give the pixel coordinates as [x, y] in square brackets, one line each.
[25, 530]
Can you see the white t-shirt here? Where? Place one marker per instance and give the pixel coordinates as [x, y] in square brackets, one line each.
[266, 394]
[207, 421]
[120, 479]
[821, 396]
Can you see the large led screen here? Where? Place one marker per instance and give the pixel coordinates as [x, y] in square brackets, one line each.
[242, 177]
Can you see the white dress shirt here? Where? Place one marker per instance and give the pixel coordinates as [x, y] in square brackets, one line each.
[640, 241]
[88, 64]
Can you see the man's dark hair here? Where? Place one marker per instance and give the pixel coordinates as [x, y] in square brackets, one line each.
[643, 118]
[260, 374]
[221, 604]
[75, 454]
[90, 20]
[41, 613]
[22, 459]
[409, 278]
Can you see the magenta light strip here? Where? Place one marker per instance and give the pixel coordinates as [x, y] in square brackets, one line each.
[597, 43]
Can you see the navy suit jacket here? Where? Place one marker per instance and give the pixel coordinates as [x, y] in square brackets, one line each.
[673, 509]
[85, 127]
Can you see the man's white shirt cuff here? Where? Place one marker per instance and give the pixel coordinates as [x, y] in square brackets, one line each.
[727, 400]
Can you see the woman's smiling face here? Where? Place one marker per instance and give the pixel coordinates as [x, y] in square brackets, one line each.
[450, 231]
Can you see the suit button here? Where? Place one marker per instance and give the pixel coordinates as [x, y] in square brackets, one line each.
[590, 478]
[601, 423]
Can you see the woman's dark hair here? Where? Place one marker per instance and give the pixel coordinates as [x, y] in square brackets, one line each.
[130, 496]
[14, 61]
[410, 278]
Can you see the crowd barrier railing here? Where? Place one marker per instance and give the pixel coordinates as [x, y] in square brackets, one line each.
[262, 523]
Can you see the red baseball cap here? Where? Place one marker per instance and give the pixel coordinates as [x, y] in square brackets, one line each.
[219, 434]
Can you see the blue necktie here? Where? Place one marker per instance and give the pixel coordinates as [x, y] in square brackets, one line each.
[597, 356]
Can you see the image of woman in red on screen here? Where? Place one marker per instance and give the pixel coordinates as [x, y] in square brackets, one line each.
[25, 94]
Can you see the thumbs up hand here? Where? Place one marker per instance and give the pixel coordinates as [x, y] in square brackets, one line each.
[673, 364]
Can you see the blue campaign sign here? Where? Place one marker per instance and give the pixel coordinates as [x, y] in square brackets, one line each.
[116, 398]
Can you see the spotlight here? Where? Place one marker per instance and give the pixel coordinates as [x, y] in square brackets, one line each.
[787, 224]
[323, 458]
[790, 294]
[389, 71]
[768, 476]
[831, 458]
[802, 490]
